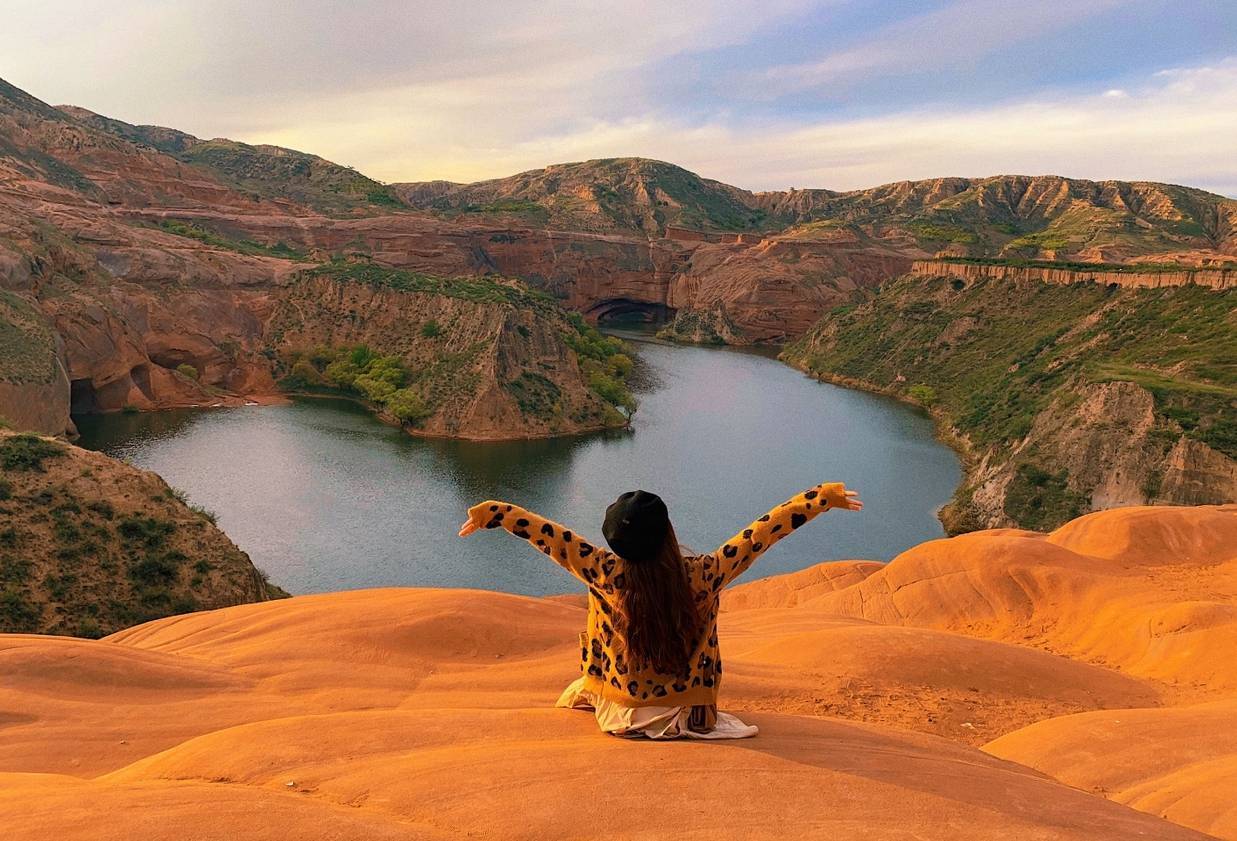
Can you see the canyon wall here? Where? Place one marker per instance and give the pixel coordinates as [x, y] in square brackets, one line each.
[1066, 397]
[770, 288]
[1132, 278]
[485, 371]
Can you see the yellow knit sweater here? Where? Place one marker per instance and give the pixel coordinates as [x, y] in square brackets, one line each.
[606, 670]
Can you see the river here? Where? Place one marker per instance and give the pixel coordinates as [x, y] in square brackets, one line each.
[324, 497]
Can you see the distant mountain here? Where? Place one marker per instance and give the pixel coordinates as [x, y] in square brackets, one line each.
[1046, 217]
[266, 171]
[1003, 216]
[608, 195]
[142, 268]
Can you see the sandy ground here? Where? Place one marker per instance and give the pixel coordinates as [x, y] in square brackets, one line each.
[1004, 684]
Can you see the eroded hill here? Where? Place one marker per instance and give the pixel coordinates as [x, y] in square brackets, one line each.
[89, 545]
[1069, 397]
[141, 281]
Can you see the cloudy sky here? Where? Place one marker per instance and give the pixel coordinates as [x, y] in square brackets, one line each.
[765, 95]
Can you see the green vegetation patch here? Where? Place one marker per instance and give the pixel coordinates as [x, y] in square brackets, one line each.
[357, 371]
[603, 362]
[243, 246]
[18, 613]
[28, 452]
[940, 232]
[27, 343]
[485, 289]
[1039, 500]
[1042, 240]
[536, 395]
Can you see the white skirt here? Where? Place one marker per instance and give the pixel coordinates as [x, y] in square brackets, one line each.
[650, 722]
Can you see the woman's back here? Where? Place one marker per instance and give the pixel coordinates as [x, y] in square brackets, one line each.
[651, 638]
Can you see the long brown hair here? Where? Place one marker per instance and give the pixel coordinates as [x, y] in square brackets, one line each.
[657, 614]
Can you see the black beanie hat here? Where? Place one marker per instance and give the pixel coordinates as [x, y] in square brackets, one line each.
[636, 525]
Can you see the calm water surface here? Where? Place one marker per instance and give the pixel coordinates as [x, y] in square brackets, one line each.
[324, 497]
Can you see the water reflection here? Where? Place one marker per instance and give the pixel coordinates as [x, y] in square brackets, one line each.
[324, 497]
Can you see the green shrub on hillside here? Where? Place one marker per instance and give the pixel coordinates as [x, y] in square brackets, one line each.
[205, 513]
[1042, 240]
[358, 371]
[1037, 499]
[28, 452]
[603, 362]
[483, 289]
[149, 531]
[187, 370]
[940, 232]
[925, 395]
[408, 406]
[17, 613]
[244, 246]
[536, 395]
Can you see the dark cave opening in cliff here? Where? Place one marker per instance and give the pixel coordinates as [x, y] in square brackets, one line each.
[618, 311]
[82, 398]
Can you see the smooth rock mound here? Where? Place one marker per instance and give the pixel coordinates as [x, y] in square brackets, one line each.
[428, 714]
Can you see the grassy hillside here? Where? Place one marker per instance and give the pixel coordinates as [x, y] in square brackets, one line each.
[1006, 216]
[265, 171]
[633, 195]
[27, 342]
[1024, 217]
[999, 360]
[89, 545]
[476, 356]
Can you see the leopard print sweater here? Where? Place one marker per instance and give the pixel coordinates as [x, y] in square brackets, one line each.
[607, 671]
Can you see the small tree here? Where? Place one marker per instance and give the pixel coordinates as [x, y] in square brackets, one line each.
[431, 329]
[924, 395]
[303, 375]
[187, 370]
[408, 406]
[620, 365]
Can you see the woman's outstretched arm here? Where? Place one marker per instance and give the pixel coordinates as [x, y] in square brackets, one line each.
[574, 554]
[737, 554]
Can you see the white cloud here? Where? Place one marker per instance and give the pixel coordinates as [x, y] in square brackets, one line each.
[467, 89]
[954, 35]
[1180, 126]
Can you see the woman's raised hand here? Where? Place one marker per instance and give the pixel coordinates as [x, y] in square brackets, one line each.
[468, 527]
[851, 501]
[838, 496]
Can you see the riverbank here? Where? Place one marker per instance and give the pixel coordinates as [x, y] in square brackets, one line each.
[322, 483]
[943, 428]
[1061, 398]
